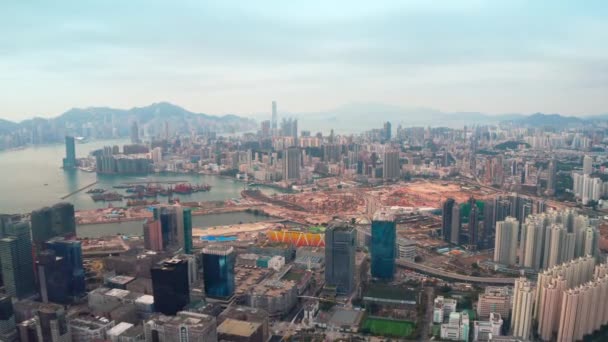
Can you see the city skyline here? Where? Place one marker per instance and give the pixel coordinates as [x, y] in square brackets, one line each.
[510, 57]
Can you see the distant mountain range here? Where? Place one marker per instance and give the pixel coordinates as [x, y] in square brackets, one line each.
[160, 110]
[105, 121]
[359, 117]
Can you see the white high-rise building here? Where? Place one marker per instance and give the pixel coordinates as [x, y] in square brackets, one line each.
[578, 309]
[587, 188]
[523, 301]
[552, 285]
[505, 251]
[587, 165]
[554, 237]
[531, 246]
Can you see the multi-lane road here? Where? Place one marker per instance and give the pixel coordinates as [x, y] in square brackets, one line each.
[454, 276]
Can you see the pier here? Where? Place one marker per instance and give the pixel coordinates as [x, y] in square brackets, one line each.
[79, 190]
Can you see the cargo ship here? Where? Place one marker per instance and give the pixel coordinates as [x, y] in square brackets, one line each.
[187, 188]
[107, 197]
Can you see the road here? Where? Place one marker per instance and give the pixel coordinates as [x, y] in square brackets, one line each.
[455, 276]
[427, 321]
[449, 275]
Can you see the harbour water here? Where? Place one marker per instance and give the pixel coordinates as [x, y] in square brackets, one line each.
[31, 178]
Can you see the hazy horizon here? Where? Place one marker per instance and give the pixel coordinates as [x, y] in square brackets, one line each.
[235, 57]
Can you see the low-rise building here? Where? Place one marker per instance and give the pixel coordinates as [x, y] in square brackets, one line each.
[245, 313]
[185, 326]
[457, 327]
[442, 308]
[277, 297]
[406, 249]
[494, 299]
[483, 330]
[240, 331]
[87, 328]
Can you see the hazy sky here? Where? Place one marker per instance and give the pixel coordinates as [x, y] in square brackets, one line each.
[237, 56]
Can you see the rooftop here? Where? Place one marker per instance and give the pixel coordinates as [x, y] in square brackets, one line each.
[341, 226]
[183, 318]
[119, 329]
[218, 249]
[121, 279]
[89, 322]
[236, 327]
[349, 317]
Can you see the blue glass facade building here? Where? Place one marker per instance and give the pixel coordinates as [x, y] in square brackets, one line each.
[53, 278]
[69, 162]
[71, 252]
[218, 271]
[383, 247]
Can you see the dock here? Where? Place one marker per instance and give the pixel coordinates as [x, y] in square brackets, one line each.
[79, 190]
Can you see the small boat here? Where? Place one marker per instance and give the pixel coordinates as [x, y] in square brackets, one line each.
[95, 191]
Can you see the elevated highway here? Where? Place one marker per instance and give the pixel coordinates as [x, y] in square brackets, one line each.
[454, 276]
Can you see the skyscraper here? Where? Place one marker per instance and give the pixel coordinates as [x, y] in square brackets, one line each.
[383, 246]
[291, 163]
[340, 247]
[171, 286]
[387, 131]
[135, 133]
[187, 217]
[8, 329]
[505, 250]
[49, 222]
[218, 270]
[489, 225]
[531, 245]
[17, 262]
[390, 165]
[168, 225]
[289, 128]
[69, 162]
[523, 302]
[587, 165]
[552, 177]
[153, 238]
[447, 218]
[456, 225]
[274, 118]
[53, 277]
[473, 224]
[71, 252]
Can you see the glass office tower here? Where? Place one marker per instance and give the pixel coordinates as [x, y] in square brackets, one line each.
[383, 246]
[218, 271]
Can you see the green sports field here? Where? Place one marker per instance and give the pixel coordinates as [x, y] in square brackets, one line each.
[388, 327]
